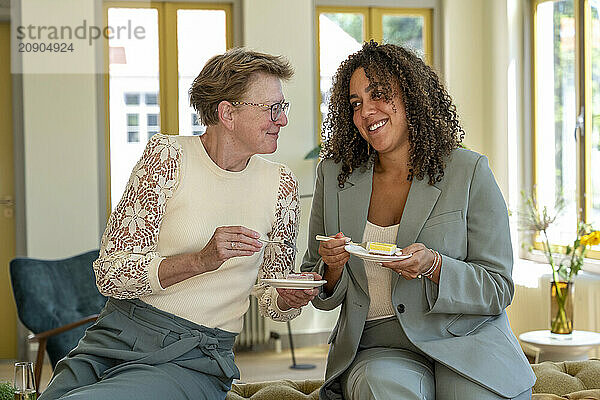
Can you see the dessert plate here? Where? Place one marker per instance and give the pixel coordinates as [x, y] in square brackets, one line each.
[293, 283]
[360, 252]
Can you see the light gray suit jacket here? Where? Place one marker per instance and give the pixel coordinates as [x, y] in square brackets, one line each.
[461, 322]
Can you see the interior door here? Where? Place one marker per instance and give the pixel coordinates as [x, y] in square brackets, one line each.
[8, 332]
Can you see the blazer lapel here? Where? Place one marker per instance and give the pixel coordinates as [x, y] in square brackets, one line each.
[353, 208]
[422, 197]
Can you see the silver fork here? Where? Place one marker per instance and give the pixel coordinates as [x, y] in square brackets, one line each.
[284, 242]
[322, 238]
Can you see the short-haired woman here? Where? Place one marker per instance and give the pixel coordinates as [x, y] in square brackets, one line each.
[182, 250]
[433, 325]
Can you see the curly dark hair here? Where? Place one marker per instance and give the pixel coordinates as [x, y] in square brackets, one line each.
[433, 126]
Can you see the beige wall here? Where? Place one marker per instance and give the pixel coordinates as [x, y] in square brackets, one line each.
[464, 65]
[289, 33]
[495, 86]
[61, 165]
[60, 142]
[475, 64]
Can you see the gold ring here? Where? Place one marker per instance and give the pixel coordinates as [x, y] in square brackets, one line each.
[232, 245]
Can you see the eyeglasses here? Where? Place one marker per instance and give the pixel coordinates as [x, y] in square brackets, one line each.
[276, 109]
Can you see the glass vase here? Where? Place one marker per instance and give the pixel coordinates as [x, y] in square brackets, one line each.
[561, 307]
[24, 382]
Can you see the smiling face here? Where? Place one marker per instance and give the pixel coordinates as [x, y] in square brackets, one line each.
[382, 124]
[255, 133]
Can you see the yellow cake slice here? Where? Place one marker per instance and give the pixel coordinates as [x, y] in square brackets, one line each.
[385, 249]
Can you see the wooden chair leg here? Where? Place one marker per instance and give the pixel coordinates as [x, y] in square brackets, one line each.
[38, 363]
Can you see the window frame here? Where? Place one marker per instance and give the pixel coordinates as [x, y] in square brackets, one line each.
[132, 94]
[372, 29]
[168, 95]
[583, 90]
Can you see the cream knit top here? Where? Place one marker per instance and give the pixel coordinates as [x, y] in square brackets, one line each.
[379, 279]
[175, 199]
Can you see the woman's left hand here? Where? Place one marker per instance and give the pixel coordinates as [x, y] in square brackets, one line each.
[410, 268]
[296, 298]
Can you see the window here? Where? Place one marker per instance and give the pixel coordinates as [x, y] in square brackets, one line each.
[566, 123]
[133, 128]
[132, 99]
[342, 30]
[149, 75]
[152, 120]
[152, 124]
[151, 99]
[197, 128]
[191, 25]
[133, 136]
[133, 120]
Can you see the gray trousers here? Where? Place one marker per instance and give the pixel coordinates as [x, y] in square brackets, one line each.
[388, 366]
[135, 351]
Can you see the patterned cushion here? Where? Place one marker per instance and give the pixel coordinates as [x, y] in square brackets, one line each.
[574, 380]
[571, 379]
[593, 394]
[276, 390]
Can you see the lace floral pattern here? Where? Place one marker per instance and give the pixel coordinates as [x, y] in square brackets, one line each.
[129, 242]
[278, 260]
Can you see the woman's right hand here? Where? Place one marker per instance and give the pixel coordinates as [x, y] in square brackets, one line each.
[228, 242]
[333, 253]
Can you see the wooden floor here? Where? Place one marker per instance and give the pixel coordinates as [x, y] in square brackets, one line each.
[254, 366]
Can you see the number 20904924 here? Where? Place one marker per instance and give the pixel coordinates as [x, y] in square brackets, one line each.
[59, 47]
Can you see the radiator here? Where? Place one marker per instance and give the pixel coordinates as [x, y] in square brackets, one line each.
[254, 332]
[530, 309]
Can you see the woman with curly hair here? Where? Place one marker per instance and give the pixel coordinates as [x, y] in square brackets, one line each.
[432, 325]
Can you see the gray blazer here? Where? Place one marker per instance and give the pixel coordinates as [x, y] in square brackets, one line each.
[461, 322]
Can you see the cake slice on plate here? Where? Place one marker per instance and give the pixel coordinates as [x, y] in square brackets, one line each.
[384, 249]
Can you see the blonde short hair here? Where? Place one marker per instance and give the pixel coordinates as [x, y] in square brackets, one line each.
[227, 77]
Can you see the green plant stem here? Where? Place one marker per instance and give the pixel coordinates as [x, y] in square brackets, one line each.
[551, 260]
[573, 259]
[561, 316]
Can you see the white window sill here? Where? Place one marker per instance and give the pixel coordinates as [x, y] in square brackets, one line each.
[527, 271]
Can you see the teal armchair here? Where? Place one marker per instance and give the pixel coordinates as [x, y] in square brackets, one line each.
[57, 300]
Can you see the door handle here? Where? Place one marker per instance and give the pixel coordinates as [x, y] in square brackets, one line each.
[580, 124]
[7, 201]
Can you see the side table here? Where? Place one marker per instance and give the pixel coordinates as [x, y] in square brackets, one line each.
[552, 347]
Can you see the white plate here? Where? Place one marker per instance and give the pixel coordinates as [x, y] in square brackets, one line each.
[360, 252]
[293, 283]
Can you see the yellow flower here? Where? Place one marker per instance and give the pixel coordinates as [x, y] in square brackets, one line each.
[592, 239]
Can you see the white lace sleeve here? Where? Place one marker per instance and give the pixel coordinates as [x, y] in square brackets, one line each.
[278, 260]
[128, 262]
